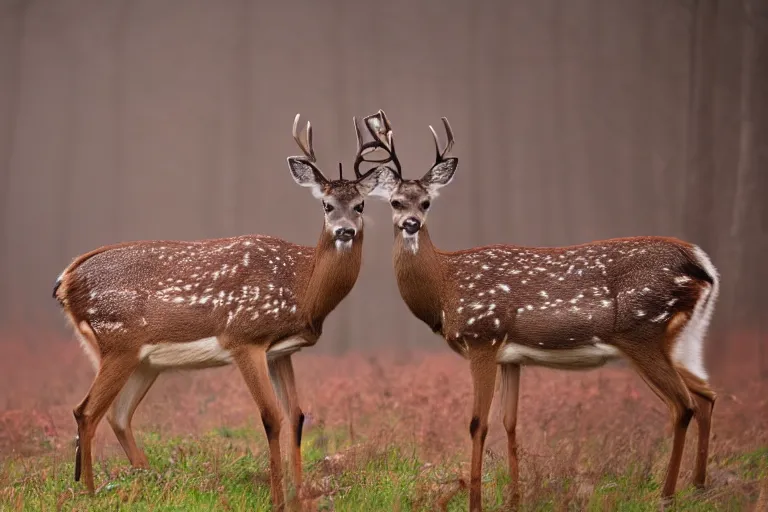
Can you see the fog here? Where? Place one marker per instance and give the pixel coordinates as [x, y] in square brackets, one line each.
[574, 121]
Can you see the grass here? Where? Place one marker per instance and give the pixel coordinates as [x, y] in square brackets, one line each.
[226, 469]
[386, 433]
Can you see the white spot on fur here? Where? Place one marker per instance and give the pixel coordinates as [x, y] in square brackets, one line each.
[682, 279]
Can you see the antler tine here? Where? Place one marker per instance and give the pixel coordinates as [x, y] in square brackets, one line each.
[307, 149]
[449, 134]
[440, 155]
[377, 143]
[309, 142]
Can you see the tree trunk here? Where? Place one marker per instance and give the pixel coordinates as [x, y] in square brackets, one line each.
[700, 167]
[10, 81]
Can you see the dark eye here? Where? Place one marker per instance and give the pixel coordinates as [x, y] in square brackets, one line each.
[359, 207]
[397, 205]
[425, 205]
[327, 207]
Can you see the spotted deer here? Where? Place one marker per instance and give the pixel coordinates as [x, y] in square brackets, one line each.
[142, 308]
[646, 299]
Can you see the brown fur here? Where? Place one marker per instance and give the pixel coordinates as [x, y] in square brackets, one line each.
[141, 308]
[565, 307]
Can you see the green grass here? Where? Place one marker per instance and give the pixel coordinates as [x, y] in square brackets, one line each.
[227, 470]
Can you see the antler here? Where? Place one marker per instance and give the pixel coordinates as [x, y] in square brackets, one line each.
[305, 148]
[440, 155]
[378, 126]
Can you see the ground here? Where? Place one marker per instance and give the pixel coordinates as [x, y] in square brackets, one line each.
[383, 432]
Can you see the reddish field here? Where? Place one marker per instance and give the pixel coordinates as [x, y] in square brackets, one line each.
[418, 399]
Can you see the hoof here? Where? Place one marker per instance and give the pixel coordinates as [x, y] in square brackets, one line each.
[77, 459]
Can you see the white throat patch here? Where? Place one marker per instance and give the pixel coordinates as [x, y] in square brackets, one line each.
[411, 242]
[343, 246]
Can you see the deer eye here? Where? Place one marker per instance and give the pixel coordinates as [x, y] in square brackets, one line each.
[327, 207]
[359, 207]
[425, 205]
[397, 205]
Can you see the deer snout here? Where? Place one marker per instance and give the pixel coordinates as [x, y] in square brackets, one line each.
[344, 234]
[411, 225]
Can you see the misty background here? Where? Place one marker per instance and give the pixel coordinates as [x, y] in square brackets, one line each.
[574, 120]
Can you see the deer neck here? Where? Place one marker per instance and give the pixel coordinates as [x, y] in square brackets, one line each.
[332, 277]
[419, 273]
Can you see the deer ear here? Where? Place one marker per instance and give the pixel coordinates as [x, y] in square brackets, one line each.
[440, 174]
[307, 175]
[380, 183]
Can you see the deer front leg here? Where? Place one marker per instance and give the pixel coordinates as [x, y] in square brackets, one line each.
[510, 392]
[252, 362]
[482, 364]
[284, 381]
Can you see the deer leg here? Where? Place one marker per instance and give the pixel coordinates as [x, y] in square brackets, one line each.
[659, 373]
[705, 403]
[252, 362]
[113, 372]
[510, 392]
[482, 364]
[284, 381]
[121, 412]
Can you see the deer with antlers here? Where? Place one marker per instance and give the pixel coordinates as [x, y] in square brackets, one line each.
[142, 308]
[646, 299]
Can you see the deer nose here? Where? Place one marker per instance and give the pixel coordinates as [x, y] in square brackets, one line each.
[344, 234]
[411, 225]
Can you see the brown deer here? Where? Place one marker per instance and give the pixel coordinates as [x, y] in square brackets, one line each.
[141, 308]
[647, 299]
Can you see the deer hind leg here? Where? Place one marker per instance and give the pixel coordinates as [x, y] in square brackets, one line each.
[113, 372]
[284, 381]
[705, 404]
[510, 392]
[655, 367]
[482, 364]
[252, 362]
[121, 412]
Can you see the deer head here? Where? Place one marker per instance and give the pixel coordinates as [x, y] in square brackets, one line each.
[342, 200]
[410, 199]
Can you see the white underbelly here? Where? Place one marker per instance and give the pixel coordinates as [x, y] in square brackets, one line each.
[205, 353]
[591, 356]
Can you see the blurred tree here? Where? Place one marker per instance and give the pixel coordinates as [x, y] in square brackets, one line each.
[12, 17]
[749, 218]
[698, 193]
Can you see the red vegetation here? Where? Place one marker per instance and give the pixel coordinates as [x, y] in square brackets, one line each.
[421, 399]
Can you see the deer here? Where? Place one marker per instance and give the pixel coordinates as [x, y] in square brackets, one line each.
[142, 308]
[648, 300]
